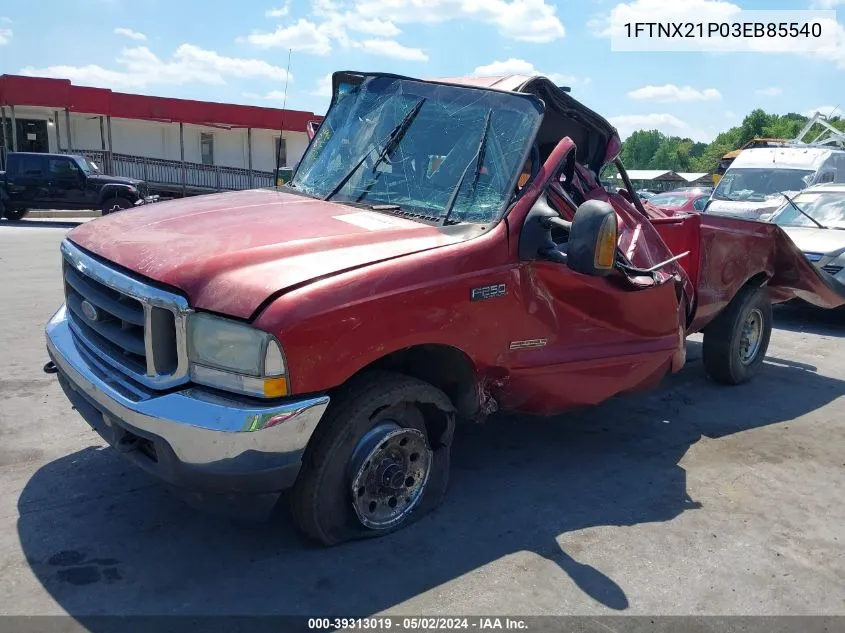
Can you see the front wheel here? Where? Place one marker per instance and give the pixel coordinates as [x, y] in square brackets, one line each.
[378, 460]
[735, 343]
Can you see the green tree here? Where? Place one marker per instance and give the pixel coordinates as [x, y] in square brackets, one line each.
[640, 147]
[753, 125]
[650, 149]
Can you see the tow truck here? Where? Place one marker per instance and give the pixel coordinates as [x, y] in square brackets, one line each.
[444, 250]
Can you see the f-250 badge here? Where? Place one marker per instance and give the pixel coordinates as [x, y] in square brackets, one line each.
[488, 292]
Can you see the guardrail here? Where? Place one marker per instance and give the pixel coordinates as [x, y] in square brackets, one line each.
[174, 173]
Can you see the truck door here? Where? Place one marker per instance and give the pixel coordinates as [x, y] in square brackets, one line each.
[26, 181]
[584, 339]
[65, 182]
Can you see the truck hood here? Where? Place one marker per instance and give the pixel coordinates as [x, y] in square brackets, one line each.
[814, 240]
[103, 179]
[229, 252]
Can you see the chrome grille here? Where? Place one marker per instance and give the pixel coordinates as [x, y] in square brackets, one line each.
[832, 269]
[133, 326]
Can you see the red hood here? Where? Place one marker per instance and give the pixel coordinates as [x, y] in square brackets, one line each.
[228, 252]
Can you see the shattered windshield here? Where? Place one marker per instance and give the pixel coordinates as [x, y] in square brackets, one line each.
[756, 184]
[828, 209]
[423, 150]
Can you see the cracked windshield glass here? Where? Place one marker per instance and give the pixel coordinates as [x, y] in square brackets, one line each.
[440, 153]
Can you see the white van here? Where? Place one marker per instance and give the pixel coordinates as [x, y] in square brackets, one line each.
[753, 183]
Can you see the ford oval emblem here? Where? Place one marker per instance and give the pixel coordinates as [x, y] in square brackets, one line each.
[90, 311]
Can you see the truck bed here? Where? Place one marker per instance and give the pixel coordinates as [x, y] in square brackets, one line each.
[726, 253]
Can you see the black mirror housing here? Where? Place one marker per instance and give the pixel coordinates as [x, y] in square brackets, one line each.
[592, 239]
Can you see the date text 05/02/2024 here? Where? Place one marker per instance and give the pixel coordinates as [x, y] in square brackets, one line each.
[417, 624]
[722, 29]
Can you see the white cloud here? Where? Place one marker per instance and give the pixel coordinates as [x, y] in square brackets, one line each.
[273, 95]
[133, 35]
[333, 21]
[826, 110]
[825, 4]
[667, 123]
[372, 26]
[303, 36]
[670, 93]
[773, 91]
[5, 33]
[316, 38]
[392, 49]
[513, 66]
[278, 13]
[833, 49]
[524, 20]
[324, 86]
[140, 67]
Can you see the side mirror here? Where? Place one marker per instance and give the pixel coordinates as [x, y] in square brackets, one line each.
[765, 217]
[591, 249]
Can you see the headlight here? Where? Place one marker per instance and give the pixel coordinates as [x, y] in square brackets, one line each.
[235, 357]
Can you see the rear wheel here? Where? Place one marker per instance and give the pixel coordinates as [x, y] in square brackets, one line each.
[110, 205]
[14, 214]
[735, 343]
[373, 465]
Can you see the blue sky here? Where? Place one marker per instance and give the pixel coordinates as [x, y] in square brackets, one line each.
[237, 52]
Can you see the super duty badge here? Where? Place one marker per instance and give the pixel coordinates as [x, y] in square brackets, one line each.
[488, 292]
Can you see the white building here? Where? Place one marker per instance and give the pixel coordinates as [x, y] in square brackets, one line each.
[174, 144]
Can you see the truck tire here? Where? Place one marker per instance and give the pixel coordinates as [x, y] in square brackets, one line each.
[14, 215]
[117, 203]
[371, 467]
[735, 343]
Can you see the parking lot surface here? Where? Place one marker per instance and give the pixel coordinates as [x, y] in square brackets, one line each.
[692, 499]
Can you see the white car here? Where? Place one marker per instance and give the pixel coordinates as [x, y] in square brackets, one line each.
[754, 182]
[816, 223]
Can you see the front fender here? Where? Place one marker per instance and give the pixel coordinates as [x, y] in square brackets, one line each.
[117, 189]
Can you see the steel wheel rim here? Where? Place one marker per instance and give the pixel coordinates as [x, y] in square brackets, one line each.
[390, 468]
[751, 336]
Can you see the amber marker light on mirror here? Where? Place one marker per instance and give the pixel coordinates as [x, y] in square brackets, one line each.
[606, 244]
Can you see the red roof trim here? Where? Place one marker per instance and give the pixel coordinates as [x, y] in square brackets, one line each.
[60, 93]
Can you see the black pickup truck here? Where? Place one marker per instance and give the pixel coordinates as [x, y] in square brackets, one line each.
[64, 181]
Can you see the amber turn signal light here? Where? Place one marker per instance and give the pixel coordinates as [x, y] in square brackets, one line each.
[606, 244]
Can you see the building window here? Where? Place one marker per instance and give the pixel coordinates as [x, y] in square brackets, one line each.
[281, 152]
[207, 148]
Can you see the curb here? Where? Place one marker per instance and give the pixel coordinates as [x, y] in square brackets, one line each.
[61, 214]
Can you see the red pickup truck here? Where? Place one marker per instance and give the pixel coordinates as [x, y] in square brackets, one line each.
[443, 250]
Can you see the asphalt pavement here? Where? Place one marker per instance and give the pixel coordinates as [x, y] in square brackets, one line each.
[692, 499]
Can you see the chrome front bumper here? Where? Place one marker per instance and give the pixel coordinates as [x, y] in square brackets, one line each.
[192, 438]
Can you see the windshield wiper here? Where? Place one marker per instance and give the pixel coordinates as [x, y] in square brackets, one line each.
[802, 212]
[388, 145]
[478, 158]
